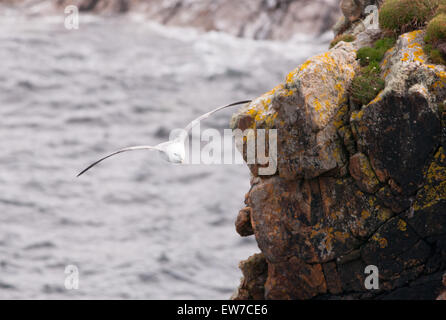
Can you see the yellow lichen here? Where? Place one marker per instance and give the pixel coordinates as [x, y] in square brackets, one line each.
[381, 241]
[261, 109]
[435, 187]
[402, 225]
[365, 214]
[342, 236]
[384, 214]
[411, 36]
[357, 115]
[414, 51]
[339, 118]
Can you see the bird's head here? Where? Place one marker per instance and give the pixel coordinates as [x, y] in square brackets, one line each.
[177, 157]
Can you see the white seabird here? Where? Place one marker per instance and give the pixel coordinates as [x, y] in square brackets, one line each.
[174, 150]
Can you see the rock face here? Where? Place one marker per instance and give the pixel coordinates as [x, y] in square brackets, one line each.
[442, 296]
[257, 19]
[353, 10]
[254, 276]
[353, 188]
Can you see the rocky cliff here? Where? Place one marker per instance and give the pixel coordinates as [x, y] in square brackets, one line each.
[258, 19]
[357, 184]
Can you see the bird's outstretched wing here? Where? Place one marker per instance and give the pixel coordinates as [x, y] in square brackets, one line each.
[116, 152]
[204, 116]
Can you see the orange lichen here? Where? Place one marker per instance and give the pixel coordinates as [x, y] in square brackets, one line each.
[357, 115]
[414, 51]
[384, 214]
[402, 225]
[365, 214]
[435, 188]
[377, 98]
[381, 241]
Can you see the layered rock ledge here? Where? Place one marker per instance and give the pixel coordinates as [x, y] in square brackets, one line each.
[355, 186]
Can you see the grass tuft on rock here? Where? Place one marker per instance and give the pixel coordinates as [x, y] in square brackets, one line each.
[342, 37]
[401, 16]
[436, 39]
[436, 29]
[441, 9]
[435, 55]
[368, 83]
[367, 55]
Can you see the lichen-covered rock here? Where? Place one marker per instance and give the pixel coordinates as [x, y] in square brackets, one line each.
[442, 296]
[307, 111]
[428, 212]
[243, 223]
[252, 285]
[354, 187]
[399, 140]
[352, 11]
[355, 9]
[363, 173]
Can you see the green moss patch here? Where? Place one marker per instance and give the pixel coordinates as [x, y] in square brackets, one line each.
[367, 55]
[441, 8]
[401, 16]
[436, 29]
[436, 36]
[342, 37]
[367, 83]
[435, 55]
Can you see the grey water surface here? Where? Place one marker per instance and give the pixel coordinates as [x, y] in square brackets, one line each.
[135, 226]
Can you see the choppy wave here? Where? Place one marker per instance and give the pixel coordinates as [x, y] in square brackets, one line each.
[136, 227]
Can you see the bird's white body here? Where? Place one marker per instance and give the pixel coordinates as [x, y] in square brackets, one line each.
[172, 151]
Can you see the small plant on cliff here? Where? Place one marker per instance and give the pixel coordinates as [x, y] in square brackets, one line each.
[436, 39]
[342, 37]
[366, 85]
[441, 8]
[436, 29]
[401, 16]
[367, 55]
[434, 54]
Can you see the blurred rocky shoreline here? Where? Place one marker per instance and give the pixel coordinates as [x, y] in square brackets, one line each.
[256, 19]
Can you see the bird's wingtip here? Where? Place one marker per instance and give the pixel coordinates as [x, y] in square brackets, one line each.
[81, 173]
